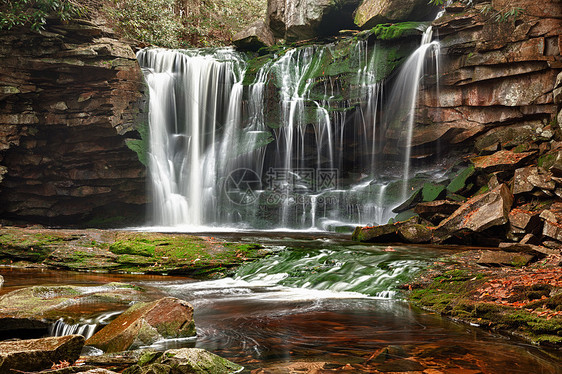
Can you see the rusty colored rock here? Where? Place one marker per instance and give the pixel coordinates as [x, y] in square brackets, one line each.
[477, 214]
[144, 324]
[500, 161]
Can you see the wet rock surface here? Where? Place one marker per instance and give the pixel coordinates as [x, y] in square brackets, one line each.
[144, 324]
[39, 354]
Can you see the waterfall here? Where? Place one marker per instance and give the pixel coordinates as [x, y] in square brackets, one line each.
[309, 156]
[191, 95]
[86, 328]
[404, 99]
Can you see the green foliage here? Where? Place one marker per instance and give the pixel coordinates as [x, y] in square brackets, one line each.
[459, 182]
[140, 146]
[151, 21]
[181, 23]
[34, 13]
[431, 192]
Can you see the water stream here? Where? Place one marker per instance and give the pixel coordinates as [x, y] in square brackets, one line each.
[322, 302]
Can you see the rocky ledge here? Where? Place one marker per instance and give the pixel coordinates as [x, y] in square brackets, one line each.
[123, 251]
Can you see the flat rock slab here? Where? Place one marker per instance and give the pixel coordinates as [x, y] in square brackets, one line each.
[501, 258]
[500, 161]
[39, 354]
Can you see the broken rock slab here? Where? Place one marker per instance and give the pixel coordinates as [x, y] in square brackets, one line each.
[477, 214]
[502, 258]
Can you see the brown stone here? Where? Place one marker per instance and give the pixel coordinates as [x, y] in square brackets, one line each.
[376, 234]
[373, 12]
[414, 233]
[526, 221]
[552, 230]
[477, 214]
[39, 354]
[144, 324]
[500, 161]
[500, 258]
[526, 179]
[254, 37]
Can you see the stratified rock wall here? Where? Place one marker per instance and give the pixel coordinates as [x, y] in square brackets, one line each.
[496, 78]
[69, 97]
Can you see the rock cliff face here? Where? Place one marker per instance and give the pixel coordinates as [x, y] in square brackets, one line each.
[69, 97]
[498, 78]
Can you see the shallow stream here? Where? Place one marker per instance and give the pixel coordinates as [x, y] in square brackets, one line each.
[324, 303]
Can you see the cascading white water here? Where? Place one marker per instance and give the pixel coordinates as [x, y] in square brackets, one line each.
[404, 98]
[60, 328]
[193, 95]
[215, 159]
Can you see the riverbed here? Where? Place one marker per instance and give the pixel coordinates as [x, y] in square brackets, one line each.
[323, 303]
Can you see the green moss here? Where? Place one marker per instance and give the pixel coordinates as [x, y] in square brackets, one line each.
[140, 247]
[459, 181]
[390, 31]
[431, 191]
[546, 161]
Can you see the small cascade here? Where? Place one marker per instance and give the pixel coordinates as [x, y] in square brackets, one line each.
[86, 328]
[325, 271]
[61, 328]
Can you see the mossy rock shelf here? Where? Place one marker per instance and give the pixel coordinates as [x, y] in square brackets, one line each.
[123, 251]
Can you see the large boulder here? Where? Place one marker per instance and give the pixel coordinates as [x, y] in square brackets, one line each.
[374, 12]
[186, 361]
[146, 323]
[39, 354]
[305, 19]
[479, 213]
[254, 37]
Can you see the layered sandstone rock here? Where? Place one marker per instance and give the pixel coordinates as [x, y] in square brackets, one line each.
[69, 98]
[497, 81]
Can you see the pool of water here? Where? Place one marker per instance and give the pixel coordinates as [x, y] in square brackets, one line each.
[324, 304]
